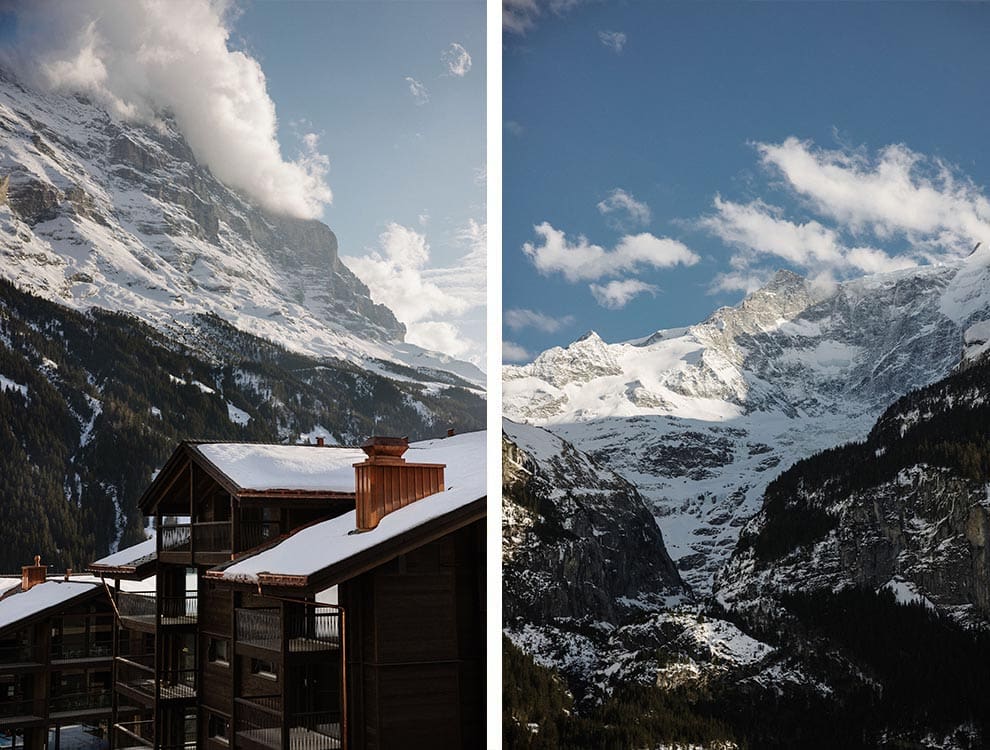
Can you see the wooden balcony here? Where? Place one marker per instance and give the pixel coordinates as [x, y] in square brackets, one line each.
[262, 725]
[72, 650]
[21, 712]
[80, 705]
[211, 542]
[315, 629]
[134, 678]
[134, 734]
[19, 657]
[139, 609]
[175, 543]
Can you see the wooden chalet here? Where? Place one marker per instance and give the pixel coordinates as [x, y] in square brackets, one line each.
[56, 643]
[364, 627]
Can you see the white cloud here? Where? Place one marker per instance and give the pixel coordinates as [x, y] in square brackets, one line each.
[519, 16]
[582, 260]
[898, 193]
[141, 59]
[441, 336]
[617, 294]
[758, 230]
[761, 229]
[623, 210]
[870, 260]
[430, 301]
[456, 59]
[519, 318]
[511, 126]
[738, 281]
[418, 91]
[514, 353]
[614, 40]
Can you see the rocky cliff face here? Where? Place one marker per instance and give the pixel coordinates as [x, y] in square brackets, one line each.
[99, 213]
[907, 509]
[578, 541]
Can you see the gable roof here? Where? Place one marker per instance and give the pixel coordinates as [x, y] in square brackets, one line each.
[271, 468]
[329, 552]
[260, 470]
[19, 609]
[137, 561]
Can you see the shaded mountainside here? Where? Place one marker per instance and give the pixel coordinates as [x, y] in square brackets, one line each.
[908, 508]
[578, 540]
[91, 405]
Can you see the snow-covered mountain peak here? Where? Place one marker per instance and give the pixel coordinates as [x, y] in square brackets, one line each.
[95, 212]
[700, 418]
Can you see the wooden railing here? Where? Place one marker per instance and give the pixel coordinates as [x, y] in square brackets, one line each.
[80, 648]
[136, 673]
[260, 721]
[311, 629]
[179, 610]
[175, 537]
[139, 605]
[211, 536]
[29, 707]
[91, 700]
[134, 734]
[22, 653]
[176, 684]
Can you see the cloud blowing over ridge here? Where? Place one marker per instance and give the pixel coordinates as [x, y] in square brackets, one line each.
[141, 57]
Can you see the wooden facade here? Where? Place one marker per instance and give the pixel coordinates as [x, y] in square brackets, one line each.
[205, 662]
[56, 670]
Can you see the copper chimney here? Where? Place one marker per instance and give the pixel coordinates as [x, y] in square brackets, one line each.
[68, 573]
[319, 442]
[450, 432]
[32, 575]
[386, 482]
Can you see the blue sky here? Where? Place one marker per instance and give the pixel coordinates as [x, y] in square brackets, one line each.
[698, 147]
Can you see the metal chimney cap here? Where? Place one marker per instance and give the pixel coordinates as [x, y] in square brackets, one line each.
[380, 446]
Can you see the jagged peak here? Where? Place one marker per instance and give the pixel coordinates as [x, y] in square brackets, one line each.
[784, 280]
[590, 336]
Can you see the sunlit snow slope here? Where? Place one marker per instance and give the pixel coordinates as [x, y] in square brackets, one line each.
[701, 419]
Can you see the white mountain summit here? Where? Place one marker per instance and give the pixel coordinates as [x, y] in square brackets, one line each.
[95, 212]
[700, 419]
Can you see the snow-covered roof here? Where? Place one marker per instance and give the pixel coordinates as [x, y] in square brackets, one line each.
[285, 467]
[7, 583]
[329, 543]
[130, 557]
[17, 607]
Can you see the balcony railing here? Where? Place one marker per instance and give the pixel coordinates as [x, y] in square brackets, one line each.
[137, 605]
[313, 629]
[260, 722]
[176, 684]
[137, 674]
[179, 610]
[212, 536]
[21, 653]
[80, 649]
[175, 537]
[12, 711]
[92, 700]
[134, 734]
[142, 606]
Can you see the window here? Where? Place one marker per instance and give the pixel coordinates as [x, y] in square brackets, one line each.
[263, 668]
[219, 651]
[219, 728]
